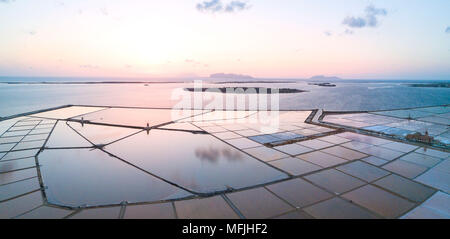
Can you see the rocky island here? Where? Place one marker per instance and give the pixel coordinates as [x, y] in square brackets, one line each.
[246, 90]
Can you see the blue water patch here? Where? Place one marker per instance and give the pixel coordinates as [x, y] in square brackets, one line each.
[418, 114]
[377, 128]
[414, 114]
[271, 138]
[397, 131]
[389, 130]
[436, 110]
[264, 139]
[287, 135]
[443, 140]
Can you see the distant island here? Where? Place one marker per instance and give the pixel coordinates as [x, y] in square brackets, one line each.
[325, 84]
[324, 78]
[230, 76]
[244, 90]
[323, 81]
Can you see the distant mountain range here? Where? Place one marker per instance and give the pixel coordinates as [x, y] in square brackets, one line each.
[230, 76]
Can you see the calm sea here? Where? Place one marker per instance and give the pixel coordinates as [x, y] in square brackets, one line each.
[347, 95]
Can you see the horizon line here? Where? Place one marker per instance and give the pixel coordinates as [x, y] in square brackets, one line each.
[230, 79]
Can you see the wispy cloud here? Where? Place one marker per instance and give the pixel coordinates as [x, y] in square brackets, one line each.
[369, 20]
[236, 6]
[447, 30]
[212, 6]
[327, 33]
[216, 6]
[372, 13]
[354, 22]
[6, 1]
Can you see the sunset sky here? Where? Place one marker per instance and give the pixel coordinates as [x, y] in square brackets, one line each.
[356, 39]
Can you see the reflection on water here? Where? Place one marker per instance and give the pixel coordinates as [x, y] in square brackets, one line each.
[198, 162]
[214, 154]
[5, 167]
[64, 136]
[231, 155]
[76, 177]
[99, 134]
[138, 117]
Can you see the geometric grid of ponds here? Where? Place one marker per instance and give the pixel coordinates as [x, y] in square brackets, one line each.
[431, 121]
[101, 162]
